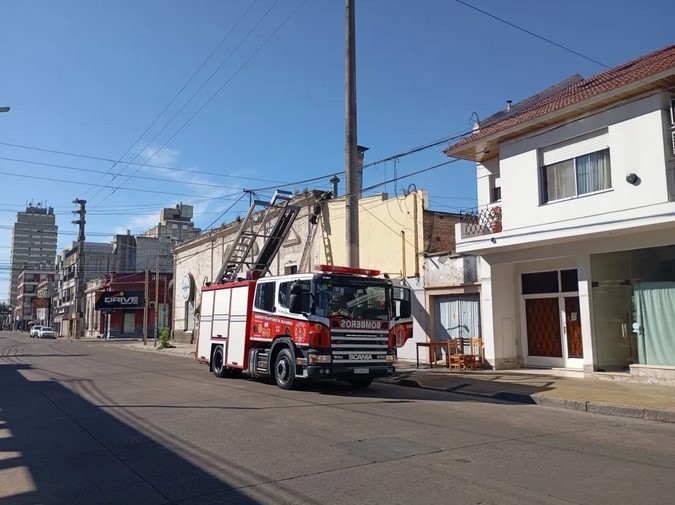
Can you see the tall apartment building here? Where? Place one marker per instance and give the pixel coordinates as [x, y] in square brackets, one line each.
[175, 225]
[33, 244]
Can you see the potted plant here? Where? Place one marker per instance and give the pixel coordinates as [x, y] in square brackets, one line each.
[496, 219]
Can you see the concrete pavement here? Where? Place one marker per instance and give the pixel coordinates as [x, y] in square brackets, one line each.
[542, 387]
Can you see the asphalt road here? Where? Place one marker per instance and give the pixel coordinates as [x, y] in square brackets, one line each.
[91, 423]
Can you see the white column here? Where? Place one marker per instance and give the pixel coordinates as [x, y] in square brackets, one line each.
[586, 308]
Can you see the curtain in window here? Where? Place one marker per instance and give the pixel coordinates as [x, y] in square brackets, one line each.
[559, 181]
[655, 306]
[593, 172]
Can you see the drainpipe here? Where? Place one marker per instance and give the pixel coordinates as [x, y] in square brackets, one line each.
[403, 268]
[416, 238]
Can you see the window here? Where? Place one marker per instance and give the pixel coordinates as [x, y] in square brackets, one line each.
[576, 176]
[285, 294]
[290, 270]
[264, 296]
[495, 188]
[538, 283]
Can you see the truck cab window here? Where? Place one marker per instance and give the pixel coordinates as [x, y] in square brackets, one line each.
[284, 295]
[264, 296]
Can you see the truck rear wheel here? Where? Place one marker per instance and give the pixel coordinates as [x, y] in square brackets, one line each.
[361, 383]
[284, 369]
[218, 363]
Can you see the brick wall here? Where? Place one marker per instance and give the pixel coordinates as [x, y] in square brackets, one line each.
[439, 231]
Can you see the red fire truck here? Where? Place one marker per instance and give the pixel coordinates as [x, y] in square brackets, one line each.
[336, 323]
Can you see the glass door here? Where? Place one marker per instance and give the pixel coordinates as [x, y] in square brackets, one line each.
[552, 319]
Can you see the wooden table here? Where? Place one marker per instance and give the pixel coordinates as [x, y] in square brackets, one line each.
[431, 346]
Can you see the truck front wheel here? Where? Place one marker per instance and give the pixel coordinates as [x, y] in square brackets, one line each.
[284, 369]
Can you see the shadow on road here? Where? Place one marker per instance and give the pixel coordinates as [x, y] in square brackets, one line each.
[58, 448]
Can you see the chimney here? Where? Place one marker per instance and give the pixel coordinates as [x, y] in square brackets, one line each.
[508, 104]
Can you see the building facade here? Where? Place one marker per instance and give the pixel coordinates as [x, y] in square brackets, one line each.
[98, 258]
[27, 301]
[33, 244]
[45, 293]
[115, 305]
[576, 224]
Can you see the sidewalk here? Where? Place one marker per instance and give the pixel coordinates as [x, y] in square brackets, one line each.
[549, 388]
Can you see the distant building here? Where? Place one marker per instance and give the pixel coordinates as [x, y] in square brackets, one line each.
[97, 260]
[33, 244]
[26, 307]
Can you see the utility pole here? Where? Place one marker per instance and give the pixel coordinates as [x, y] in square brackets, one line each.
[351, 155]
[145, 302]
[79, 274]
[154, 344]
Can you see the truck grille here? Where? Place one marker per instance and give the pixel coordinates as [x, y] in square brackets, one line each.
[350, 348]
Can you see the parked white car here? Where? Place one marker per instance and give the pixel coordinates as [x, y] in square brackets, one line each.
[34, 331]
[46, 332]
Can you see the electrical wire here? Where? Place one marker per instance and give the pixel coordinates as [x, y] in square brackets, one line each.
[241, 67]
[174, 99]
[529, 32]
[98, 158]
[89, 170]
[51, 179]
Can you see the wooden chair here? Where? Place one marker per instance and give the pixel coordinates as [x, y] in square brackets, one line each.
[456, 356]
[472, 347]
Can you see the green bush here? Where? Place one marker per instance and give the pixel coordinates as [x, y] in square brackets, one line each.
[165, 338]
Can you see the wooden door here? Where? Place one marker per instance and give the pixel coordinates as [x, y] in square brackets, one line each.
[575, 347]
[543, 327]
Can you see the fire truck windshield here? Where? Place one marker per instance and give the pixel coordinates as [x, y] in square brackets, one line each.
[352, 301]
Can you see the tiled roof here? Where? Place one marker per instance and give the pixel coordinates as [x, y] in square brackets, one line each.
[623, 75]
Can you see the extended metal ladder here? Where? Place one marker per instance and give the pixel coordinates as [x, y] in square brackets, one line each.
[278, 216]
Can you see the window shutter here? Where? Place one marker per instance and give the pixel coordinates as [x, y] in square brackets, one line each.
[578, 146]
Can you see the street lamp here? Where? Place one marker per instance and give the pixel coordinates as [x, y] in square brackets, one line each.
[4, 109]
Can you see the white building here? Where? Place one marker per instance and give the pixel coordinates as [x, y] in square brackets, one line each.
[576, 224]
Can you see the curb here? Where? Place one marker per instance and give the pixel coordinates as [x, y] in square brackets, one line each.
[646, 413]
[164, 352]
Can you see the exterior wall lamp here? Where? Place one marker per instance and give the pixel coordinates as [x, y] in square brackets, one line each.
[633, 179]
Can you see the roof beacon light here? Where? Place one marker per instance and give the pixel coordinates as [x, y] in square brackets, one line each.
[347, 270]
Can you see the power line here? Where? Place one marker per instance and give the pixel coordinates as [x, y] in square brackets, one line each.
[89, 170]
[395, 156]
[525, 30]
[241, 67]
[110, 160]
[225, 212]
[171, 102]
[50, 179]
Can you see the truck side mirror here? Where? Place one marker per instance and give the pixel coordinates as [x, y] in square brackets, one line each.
[295, 298]
[405, 309]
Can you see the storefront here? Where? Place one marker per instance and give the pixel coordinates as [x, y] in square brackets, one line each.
[121, 313]
[603, 305]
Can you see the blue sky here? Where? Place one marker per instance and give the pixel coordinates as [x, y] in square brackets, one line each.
[89, 76]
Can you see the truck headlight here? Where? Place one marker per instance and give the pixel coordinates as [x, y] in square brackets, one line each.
[390, 358]
[319, 358]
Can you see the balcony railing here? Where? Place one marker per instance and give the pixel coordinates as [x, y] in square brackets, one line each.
[481, 221]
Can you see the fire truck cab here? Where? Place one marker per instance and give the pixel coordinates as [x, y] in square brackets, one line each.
[337, 323]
